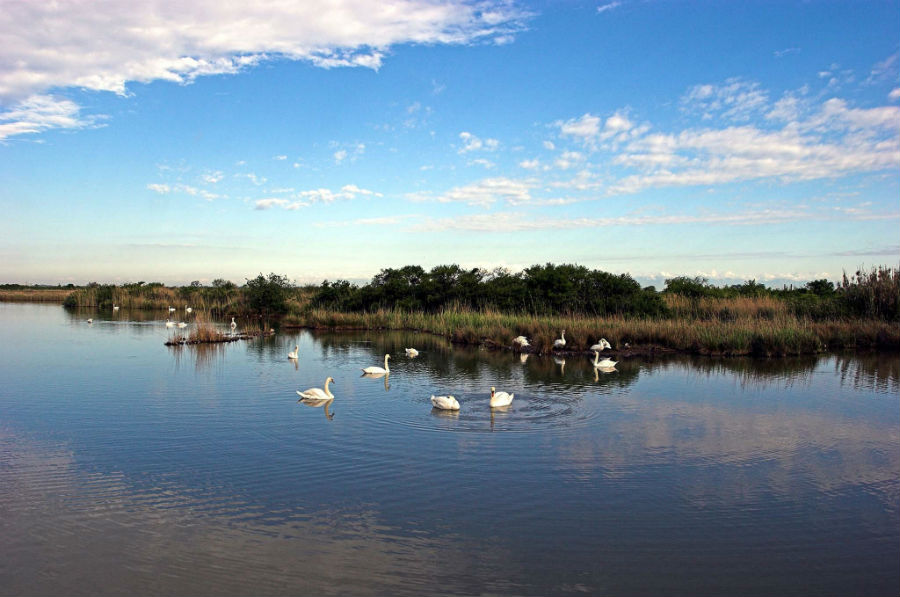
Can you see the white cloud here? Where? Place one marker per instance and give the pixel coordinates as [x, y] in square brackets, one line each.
[340, 156]
[280, 158]
[585, 128]
[487, 164]
[483, 193]
[530, 164]
[308, 197]
[517, 221]
[735, 99]
[39, 113]
[549, 145]
[473, 143]
[591, 129]
[162, 189]
[606, 7]
[894, 95]
[107, 44]
[213, 177]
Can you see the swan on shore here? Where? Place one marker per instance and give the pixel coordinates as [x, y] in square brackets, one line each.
[411, 352]
[601, 345]
[294, 355]
[521, 341]
[317, 393]
[606, 363]
[376, 370]
[561, 341]
[444, 402]
[500, 398]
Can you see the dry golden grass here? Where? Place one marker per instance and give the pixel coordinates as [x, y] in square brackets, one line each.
[36, 296]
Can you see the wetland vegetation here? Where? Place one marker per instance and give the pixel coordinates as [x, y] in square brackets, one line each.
[475, 306]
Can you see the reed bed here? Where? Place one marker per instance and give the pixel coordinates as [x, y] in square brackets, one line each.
[748, 328]
[49, 295]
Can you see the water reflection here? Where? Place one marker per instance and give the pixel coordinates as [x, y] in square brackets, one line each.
[324, 404]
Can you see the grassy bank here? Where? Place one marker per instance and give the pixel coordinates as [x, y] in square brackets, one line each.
[724, 327]
[53, 295]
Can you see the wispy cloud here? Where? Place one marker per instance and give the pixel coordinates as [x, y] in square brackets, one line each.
[735, 99]
[472, 143]
[607, 7]
[308, 197]
[39, 113]
[64, 45]
[483, 193]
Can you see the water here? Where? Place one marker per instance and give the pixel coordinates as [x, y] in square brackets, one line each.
[130, 467]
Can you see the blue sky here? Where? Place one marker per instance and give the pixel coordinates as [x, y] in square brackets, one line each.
[732, 140]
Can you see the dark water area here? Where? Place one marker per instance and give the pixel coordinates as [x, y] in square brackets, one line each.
[130, 467]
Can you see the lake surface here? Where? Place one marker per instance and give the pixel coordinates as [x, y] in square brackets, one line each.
[130, 467]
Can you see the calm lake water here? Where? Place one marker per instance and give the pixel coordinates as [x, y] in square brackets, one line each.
[130, 467]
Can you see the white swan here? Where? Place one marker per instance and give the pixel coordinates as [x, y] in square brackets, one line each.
[561, 341]
[411, 352]
[444, 402]
[500, 398]
[90, 320]
[376, 370]
[182, 324]
[606, 363]
[233, 324]
[293, 355]
[171, 309]
[170, 323]
[115, 307]
[188, 310]
[521, 341]
[601, 345]
[317, 393]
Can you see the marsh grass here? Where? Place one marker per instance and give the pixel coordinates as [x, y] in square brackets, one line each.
[749, 327]
[35, 295]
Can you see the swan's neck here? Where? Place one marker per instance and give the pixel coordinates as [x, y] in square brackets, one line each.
[563, 335]
[327, 391]
[386, 368]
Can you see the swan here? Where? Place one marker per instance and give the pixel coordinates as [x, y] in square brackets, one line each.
[521, 341]
[293, 355]
[601, 345]
[606, 363]
[171, 309]
[317, 393]
[500, 398]
[170, 323]
[188, 310]
[444, 402]
[560, 342]
[411, 352]
[376, 370]
[90, 320]
[182, 324]
[233, 324]
[115, 307]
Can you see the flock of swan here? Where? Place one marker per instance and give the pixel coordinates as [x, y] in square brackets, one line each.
[318, 396]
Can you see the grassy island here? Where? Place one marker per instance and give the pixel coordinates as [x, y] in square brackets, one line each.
[860, 312]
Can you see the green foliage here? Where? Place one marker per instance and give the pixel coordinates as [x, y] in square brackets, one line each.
[874, 293]
[268, 295]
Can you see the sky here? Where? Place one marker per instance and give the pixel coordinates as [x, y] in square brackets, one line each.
[170, 141]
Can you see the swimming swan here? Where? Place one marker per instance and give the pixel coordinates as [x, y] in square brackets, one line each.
[171, 309]
[560, 342]
[521, 341]
[170, 323]
[500, 398]
[187, 309]
[182, 324]
[293, 355]
[444, 402]
[606, 363]
[601, 345]
[115, 307]
[375, 370]
[317, 393]
[411, 352]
